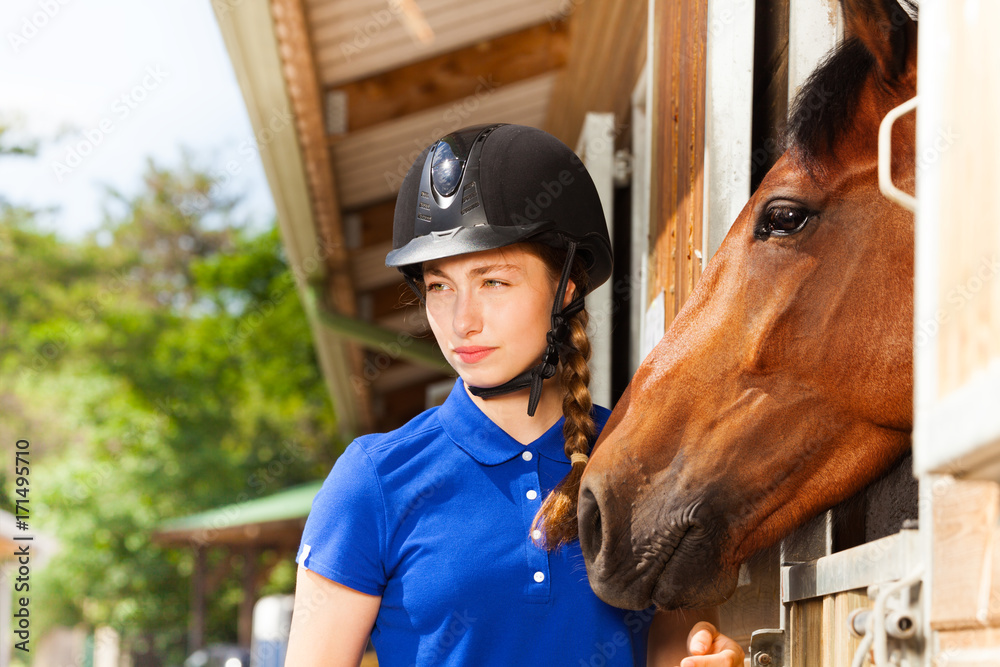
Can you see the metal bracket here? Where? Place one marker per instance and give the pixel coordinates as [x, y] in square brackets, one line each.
[767, 648]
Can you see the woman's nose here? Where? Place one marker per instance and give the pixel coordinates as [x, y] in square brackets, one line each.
[468, 318]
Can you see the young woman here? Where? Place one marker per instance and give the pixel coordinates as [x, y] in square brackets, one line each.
[434, 539]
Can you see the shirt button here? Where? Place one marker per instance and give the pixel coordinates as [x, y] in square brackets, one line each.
[532, 494]
[539, 577]
[526, 456]
[536, 534]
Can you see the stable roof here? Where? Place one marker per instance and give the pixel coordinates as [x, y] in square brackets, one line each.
[274, 520]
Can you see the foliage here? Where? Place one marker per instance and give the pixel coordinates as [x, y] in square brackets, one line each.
[157, 367]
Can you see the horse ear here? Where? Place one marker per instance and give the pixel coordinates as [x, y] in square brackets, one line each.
[886, 30]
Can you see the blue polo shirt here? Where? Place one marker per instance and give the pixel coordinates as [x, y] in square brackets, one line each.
[435, 518]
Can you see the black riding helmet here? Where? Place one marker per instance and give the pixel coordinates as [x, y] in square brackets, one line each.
[490, 186]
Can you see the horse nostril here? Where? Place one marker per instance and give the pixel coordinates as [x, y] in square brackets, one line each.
[589, 517]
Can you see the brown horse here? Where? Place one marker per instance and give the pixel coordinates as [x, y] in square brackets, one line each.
[784, 385]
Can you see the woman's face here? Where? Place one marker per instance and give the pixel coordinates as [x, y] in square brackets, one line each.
[490, 311]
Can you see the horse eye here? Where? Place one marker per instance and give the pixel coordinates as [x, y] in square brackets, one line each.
[782, 221]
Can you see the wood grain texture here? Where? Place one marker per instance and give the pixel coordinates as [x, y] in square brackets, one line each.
[968, 145]
[456, 75]
[606, 56]
[806, 629]
[299, 70]
[966, 555]
[968, 648]
[678, 151]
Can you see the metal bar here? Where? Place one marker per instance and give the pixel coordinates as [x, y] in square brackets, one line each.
[888, 559]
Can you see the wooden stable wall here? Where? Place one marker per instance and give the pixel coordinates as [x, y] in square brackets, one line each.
[957, 327]
[677, 60]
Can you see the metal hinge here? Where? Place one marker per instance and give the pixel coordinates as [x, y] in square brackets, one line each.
[767, 648]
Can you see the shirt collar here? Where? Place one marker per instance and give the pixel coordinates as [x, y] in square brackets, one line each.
[483, 440]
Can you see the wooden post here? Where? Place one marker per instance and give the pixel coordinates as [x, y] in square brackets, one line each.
[677, 62]
[196, 629]
[244, 627]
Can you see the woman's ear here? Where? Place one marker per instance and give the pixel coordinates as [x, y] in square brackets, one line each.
[570, 293]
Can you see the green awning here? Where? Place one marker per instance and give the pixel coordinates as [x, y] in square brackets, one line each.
[272, 520]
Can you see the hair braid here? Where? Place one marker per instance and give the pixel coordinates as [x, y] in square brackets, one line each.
[557, 516]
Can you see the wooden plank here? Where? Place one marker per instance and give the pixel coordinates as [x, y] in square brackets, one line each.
[966, 554]
[248, 576]
[250, 39]
[467, 72]
[374, 37]
[376, 222]
[607, 53]
[678, 70]
[299, 71]
[968, 648]
[196, 625]
[371, 163]
[805, 622]
[839, 645]
[968, 233]
[756, 603]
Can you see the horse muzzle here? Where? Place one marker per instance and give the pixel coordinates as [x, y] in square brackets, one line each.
[662, 551]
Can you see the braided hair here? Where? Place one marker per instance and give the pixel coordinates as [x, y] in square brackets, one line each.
[556, 519]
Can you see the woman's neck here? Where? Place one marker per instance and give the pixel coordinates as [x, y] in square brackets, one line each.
[510, 411]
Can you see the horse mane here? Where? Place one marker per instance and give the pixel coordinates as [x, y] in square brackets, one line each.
[826, 103]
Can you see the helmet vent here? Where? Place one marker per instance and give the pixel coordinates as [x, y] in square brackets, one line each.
[470, 197]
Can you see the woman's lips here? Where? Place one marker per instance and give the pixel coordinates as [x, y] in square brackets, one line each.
[473, 353]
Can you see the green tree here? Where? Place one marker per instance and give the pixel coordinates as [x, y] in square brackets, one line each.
[158, 372]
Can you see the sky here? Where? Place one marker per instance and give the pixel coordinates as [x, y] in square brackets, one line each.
[107, 84]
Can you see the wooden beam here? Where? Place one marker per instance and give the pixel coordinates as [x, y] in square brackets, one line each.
[456, 75]
[244, 624]
[303, 90]
[371, 163]
[376, 222]
[196, 626]
[678, 151]
[368, 269]
[300, 75]
[607, 53]
[250, 39]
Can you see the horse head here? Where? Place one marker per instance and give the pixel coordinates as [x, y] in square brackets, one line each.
[784, 384]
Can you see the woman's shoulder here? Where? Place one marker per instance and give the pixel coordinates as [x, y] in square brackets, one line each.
[414, 433]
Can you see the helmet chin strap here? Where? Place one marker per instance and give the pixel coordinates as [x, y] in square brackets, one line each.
[556, 339]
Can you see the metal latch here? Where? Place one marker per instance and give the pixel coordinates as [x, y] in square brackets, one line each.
[892, 623]
[767, 648]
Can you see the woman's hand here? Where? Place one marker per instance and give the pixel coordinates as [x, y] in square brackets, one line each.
[689, 638]
[710, 648]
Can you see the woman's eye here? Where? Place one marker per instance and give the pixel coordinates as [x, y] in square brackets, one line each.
[435, 287]
[493, 283]
[783, 221]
